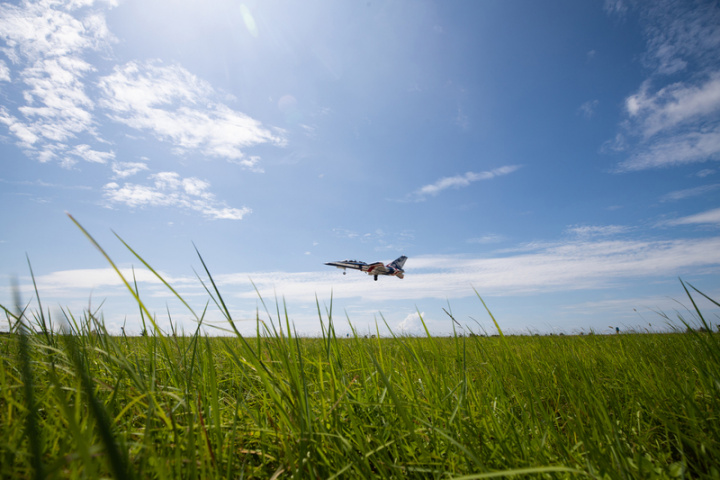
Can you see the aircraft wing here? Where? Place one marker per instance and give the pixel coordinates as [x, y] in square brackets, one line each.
[353, 264]
[376, 269]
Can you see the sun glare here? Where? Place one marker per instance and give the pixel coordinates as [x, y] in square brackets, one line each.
[248, 20]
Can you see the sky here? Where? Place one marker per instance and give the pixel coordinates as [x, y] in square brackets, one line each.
[557, 159]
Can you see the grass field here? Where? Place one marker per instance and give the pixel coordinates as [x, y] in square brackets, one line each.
[85, 404]
[90, 405]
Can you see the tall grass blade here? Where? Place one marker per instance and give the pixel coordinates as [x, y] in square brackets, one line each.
[118, 462]
[32, 431]
[117, 270]
[43, 324]
[160, 277]
[523, 471]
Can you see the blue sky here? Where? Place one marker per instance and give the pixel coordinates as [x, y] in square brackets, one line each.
[558, 157]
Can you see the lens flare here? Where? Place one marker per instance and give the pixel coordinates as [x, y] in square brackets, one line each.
[249, 20]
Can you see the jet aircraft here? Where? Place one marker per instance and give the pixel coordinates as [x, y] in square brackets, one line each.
[394, 268]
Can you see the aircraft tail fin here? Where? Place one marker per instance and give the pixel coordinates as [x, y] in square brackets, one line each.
[399, 262]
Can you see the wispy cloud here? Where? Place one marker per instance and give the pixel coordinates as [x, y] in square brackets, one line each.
[41, 183]
[710, 217]
[176, 106]
[69, 285]
[87, 153]
[586, 231]
[550, 267]
[671, 124]
[127, 169]
[553, 267]
[46, 28]
[382, 240]
[89, 278]
[705, 172]
[459, 181]
[677, 125]
[4, 72]
[170, 190]
[673, 105]
[486, 239]
[46, 41]
[674, 150]
[62, 104]
[615, 6]
[587, 109]
[689, 192]
[681, 35]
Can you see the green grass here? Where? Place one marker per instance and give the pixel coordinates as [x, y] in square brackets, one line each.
[79, 404]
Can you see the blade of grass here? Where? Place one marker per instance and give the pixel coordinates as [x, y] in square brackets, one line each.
[522, 471]
[118, 462]
[31, 420]
[117, 270]
[147, 265]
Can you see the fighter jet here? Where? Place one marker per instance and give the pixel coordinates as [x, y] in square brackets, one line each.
[394, 268]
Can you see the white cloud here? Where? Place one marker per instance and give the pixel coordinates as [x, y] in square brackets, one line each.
[676, 125]
[673, 124]
[75, 284]
[689, 192]
[587, 109]
[59, 117]
[460, 181]
[127, 169]
[195, 186]
[57, 107]
[461, 119]
[89, 278]
[170, 190]
[345, 233]
[176, 106]
[558, 267]
[673, 105]
[135, 195]
[549, 268]
[223, 213]
[37, 30]
[711, 217]
[596, 230]
[46, 41]
[4, 72]
[40, 183]
[681, 35]
[705, 172]
[85, 152]
[411, 324]
[485, 239]
[674, 150]
[396, 241]
[615, 6]
[24, 134]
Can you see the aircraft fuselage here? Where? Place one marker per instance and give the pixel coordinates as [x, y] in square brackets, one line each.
[393, 269]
